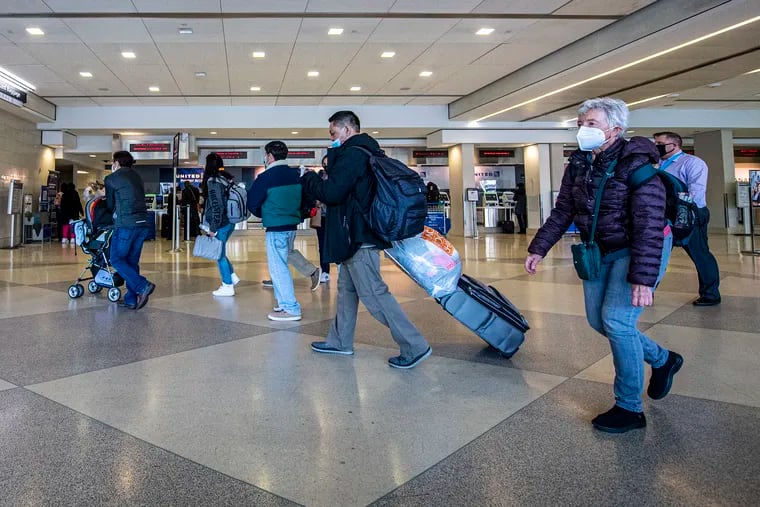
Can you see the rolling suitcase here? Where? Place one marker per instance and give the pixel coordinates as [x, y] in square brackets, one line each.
[486, 312]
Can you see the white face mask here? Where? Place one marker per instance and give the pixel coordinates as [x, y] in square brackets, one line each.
[590, 138]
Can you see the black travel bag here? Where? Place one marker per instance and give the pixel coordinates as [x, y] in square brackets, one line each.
[486, 312]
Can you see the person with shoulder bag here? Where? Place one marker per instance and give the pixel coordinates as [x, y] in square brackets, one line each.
[625, 250]
[215, 219]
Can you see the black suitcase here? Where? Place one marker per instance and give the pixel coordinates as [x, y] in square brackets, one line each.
[508, 227]
[486, 312]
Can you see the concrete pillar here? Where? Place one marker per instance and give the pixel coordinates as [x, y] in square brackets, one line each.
[716, 148]
[461, 176]
[538, 181]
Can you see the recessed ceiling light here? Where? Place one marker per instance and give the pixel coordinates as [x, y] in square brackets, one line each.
[82, 172]
[154, 89]
[213, 132]
[200, 74]
[426, 73]
[630, 131]
[294, 132]
[484, 31]
[85, 74]
[335, 31]
[356, 88]
[714, 85]
[375, 131]
[312, 73]
[387, 54]
[33, 30]
[131, 133]
[185, 31]
[259, 54]
[92, 155]
[255, 88]
[128, 54]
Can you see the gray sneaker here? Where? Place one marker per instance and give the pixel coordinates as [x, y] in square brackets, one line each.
[324, 348]
[282, 315]
[316, 278]
[267, 284]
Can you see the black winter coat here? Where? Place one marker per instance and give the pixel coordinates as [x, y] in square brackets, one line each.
[125, 195]
[348, 193]
[632, 219]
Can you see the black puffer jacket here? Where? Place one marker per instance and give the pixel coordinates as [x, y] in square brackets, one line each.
[125, 195]
[627, 219]
[348, 193]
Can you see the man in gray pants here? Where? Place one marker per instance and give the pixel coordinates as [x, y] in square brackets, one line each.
[350, 242]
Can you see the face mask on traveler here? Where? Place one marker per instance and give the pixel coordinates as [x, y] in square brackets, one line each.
[335, 143]
[590, 138]
[663, 149]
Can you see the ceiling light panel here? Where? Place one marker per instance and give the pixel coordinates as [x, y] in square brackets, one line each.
[85, 74]
[259, 54]
[185, 31]
[335, 31]
[426, 73]
[387, 54]
[33, 30]
[313, 73]
[484, 31]
[355, 88]
[128, 55]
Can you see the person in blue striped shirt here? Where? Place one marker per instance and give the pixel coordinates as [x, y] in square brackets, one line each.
[693, 171]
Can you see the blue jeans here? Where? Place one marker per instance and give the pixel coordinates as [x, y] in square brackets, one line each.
[610, 311]
[126, 247]
[225, 266]
[279, 244]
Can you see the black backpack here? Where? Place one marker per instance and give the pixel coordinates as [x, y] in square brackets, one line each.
[680, 209]
[400, 205]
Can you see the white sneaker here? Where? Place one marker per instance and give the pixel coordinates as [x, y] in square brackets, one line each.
[283, 315]
[324, 278]
[225, 290]
[235, 279]
[73, 244]
[65, 241]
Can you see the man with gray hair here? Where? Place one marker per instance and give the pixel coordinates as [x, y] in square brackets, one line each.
[633, 240]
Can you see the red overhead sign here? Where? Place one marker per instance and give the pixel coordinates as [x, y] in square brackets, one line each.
[496, 153]
[430, 153]
[150, 147]
[233, 155]
[301, 154]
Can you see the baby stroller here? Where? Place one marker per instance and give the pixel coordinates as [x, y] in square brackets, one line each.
[93, 234]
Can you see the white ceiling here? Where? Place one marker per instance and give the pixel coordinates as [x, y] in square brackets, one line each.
[433, 35]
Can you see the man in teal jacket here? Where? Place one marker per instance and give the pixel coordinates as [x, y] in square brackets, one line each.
[275, 197]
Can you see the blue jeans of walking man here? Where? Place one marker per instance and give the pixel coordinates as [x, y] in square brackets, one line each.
[279, 244]
[610, 311]
[126, 247]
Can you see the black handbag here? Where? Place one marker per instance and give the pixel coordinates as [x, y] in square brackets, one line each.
[587, 258]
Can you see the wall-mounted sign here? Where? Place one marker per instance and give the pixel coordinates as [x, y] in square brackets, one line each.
[15, 197]
[747, 153]
[496, 153]
[233, 155]
[430, 153]
[301, 154]
[754, 188]
[150, 147]
[10, 93]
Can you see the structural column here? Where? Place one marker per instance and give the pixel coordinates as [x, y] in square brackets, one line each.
[461, 176]
[538, 183]
[716, 148]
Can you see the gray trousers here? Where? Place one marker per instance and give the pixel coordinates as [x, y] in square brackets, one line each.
[360, 280]
[301, 263]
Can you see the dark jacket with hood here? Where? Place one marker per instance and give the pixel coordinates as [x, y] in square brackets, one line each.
[348, 193]
[632, 219]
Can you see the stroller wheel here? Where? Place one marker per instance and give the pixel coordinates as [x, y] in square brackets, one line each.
[114, 294]
[94, 288]
[76, 291]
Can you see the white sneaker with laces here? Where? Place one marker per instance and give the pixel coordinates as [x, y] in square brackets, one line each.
[235, 279]
[65, 241]
[225, 290]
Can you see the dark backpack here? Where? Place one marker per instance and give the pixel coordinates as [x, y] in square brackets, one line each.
[399, 208]
[680, 210]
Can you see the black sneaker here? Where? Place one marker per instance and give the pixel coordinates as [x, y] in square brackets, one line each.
[316, 279]
[324, 348]
[267, 284]
[662, 377]
[405, 364]
[619, 420]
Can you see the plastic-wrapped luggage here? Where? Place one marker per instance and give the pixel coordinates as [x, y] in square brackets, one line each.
[486, 312]
[430, 260]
